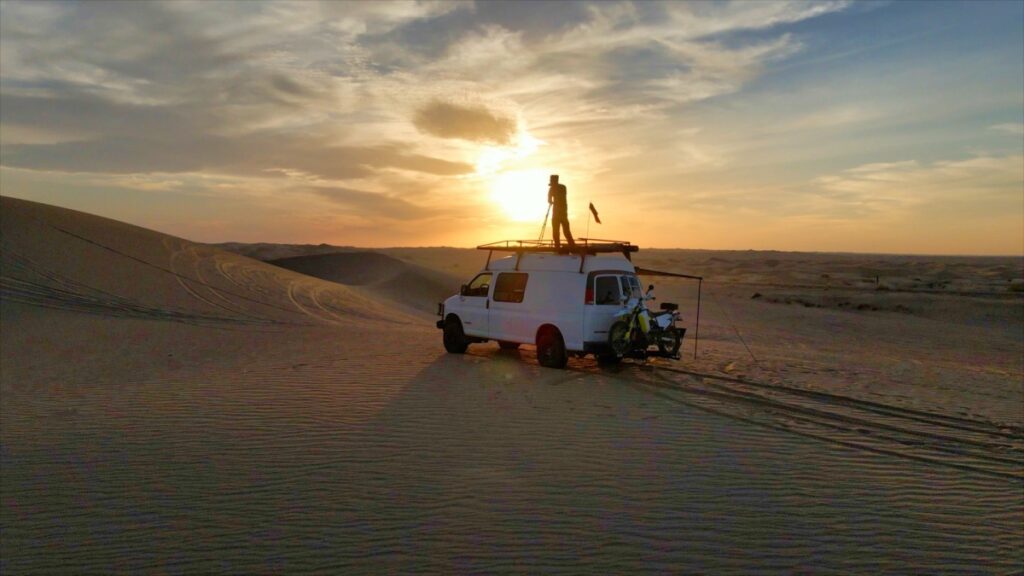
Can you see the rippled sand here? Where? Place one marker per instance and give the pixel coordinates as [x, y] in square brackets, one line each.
[168, 407]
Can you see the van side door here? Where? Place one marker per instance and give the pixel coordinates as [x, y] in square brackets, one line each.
[604, 300]
[509, 319]
[474, 304]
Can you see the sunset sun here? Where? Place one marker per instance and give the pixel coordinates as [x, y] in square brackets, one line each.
[521, 194]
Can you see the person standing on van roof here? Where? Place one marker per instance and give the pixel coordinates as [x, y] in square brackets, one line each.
[560, 211]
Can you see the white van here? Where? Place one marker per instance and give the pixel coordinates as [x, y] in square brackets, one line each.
[563, 302]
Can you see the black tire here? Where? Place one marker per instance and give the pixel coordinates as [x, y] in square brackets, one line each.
[508, 345]
[551, 349]
[455, 340]
[618, 339]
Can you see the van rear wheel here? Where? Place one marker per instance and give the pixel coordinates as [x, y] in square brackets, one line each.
[455, 340]
[551, 349]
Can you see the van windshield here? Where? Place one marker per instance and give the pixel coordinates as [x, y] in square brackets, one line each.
[479, 286]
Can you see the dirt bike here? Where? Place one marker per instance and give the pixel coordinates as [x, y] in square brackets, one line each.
[637, 329]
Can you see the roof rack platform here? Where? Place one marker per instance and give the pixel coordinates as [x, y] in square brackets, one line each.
[583, 247]
[589, 246]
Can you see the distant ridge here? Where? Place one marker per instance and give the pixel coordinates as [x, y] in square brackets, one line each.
[268, 251]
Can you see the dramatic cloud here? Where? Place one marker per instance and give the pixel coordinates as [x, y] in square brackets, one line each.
[376, 115]
[477, 123]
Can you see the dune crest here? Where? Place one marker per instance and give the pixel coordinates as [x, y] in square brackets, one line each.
[63, 259]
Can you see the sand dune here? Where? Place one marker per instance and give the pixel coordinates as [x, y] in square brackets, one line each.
[172, 407]
[68, 260]
[379, 275]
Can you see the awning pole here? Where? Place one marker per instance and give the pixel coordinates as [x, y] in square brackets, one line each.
[696, 336]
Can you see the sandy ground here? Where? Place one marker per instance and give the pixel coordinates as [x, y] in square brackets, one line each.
[173, 407]
[943, 334]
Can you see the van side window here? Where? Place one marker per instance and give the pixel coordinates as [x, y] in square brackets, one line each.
[606, 290]
[480, 285]
[510, 287]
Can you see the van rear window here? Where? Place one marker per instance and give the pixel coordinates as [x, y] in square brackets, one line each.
[607, 288]
[510, 287]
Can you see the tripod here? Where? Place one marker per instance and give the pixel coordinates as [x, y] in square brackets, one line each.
[545, 225]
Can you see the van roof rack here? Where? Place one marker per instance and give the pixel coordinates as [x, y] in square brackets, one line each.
[583, 247]
[589, 246]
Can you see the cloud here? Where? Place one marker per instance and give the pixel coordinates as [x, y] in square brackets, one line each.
[65, 108]
[330, 87]
[373, 204]
[251, 155]
[700, 20]
[468, 122]
[1015, 128]
[979, 185]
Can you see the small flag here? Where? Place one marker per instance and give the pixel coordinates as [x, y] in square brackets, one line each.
[594, 212]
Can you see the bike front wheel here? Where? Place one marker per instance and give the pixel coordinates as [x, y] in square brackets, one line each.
[618, 338]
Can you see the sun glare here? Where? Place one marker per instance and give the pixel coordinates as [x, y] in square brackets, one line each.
[522, 194]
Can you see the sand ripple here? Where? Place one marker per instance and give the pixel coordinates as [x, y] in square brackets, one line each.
[415, 460]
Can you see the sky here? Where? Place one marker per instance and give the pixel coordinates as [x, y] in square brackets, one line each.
[888, 127]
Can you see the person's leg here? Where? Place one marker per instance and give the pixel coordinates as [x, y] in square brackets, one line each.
[554, 230]
[565, 230]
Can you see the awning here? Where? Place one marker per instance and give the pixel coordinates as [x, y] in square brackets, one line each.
[649, 272]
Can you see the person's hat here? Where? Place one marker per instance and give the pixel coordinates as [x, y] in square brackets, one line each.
[554, 178]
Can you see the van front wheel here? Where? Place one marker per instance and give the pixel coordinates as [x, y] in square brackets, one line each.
[454, 338]
[551, 349]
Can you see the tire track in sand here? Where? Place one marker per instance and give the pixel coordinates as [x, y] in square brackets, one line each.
[192, 252]
[936, 439]
[842, 423]
[292, 293]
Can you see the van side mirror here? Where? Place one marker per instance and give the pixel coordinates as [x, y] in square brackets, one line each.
[464, 289]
